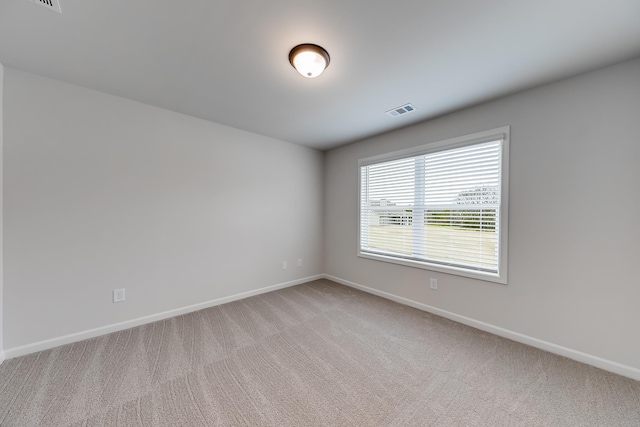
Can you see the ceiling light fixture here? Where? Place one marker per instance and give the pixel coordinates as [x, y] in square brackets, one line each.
[309, 60]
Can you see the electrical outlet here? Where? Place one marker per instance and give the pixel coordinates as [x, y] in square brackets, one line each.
[299, 262]
[284, 265]
[118, 295]
[433, 283]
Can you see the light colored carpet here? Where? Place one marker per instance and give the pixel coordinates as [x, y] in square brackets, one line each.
[311, 355]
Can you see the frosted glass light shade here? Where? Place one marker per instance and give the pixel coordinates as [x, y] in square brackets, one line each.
[309, 60]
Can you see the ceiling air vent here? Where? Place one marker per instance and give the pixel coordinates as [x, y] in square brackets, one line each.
[398, 111]
[49, 4]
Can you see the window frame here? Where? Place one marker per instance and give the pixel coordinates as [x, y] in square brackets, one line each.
[502, 133]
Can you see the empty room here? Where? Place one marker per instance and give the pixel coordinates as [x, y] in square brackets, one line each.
[296, 213]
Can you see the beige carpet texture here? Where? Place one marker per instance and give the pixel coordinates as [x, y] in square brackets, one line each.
[317, 354]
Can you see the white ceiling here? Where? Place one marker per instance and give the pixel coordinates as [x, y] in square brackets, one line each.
[227, 60]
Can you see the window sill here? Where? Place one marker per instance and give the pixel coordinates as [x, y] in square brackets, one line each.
[479, 275]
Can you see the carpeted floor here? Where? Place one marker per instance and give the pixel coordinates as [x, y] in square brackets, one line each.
[311, 355]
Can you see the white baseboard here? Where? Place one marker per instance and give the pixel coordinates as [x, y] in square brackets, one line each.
[579, 356]
[91, 333]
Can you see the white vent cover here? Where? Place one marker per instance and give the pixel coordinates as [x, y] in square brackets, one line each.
[398, 111]
[49, 4]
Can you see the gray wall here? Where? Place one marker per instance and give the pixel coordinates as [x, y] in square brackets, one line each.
[104, 193]
[1, 210]
[574, 238]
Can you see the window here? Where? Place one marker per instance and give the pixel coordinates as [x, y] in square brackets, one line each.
[441, 206]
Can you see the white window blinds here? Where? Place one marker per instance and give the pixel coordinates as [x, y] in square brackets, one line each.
[441, 208]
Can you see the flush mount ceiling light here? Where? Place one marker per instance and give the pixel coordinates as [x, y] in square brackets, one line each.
[310, 60]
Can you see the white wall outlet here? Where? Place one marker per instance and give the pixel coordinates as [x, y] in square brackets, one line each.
[284, 265]
[118, 295]
[299, 262]
[433, 283]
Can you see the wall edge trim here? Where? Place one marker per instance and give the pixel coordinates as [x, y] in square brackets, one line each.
[127, 324]
[598, 362]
